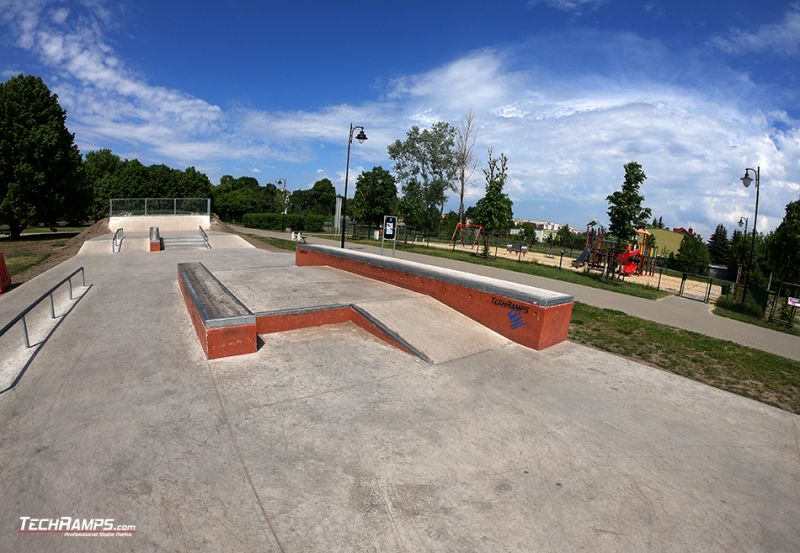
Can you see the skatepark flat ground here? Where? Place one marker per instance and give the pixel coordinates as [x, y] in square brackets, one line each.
[328, 439]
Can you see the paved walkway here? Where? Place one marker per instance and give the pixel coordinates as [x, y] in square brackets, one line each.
[672, 310]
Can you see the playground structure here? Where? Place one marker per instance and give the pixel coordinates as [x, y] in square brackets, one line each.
[615, 259]
[469, 234]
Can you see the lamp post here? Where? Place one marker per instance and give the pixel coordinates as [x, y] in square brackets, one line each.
[743, 223]
[746, 181]
[282, 181]
[361, 137]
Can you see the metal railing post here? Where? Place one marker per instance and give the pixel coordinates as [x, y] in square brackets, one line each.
[83, 277]
[52, 307]
[70, 288]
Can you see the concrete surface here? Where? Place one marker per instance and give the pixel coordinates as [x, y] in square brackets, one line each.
[674, 311]
[327, 439]
[142, 223]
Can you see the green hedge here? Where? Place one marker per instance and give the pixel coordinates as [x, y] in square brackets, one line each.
[278, 221]
[749, 307]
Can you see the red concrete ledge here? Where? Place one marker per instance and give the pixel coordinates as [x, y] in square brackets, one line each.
[224, 326]
[533, 317]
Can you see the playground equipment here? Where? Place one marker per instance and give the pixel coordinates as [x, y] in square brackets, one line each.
[469, 234]
[612, 257]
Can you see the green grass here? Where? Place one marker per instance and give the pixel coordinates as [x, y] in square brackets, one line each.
[567, 275]
[754, 321]
[745, 371]
[277, 242]
[18, 263]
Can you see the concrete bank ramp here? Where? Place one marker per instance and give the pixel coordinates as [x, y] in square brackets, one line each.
[441, 333]
[137, 241]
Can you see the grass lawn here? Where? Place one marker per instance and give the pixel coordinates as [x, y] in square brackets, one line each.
[745, 371]
[25, 253]
[757, 322]
[277, 242]
[547, 271]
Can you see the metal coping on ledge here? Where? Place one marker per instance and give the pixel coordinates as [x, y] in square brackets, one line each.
[219, 322]
[434, 274]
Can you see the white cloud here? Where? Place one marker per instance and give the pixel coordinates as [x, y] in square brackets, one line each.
[783, 37]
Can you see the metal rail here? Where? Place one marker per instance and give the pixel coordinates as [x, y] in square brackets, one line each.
[116, 244]
[22, 317]
[205, 237]
[49, 293]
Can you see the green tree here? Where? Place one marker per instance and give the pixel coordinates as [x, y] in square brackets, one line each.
[40, 166]
[449, 222]
[719, 247]
[783, 247]
[319, 199]
[693, 255]
[428, 157]
[99, 169]
[625, 210]
[412, 205]
[376, 196]
[494, 210]
[564, 236]
[528, 233]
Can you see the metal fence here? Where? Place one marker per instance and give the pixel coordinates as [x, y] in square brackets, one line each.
[129, 207]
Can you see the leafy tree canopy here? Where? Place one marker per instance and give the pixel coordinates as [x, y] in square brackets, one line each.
[40, 166]
[494, 210]
[783, 249]
[625, 210]
[376, 196]
[319, 199]
[693, 255]
[428, 157]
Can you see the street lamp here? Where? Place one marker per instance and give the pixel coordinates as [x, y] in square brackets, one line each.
[361, 137]
[743, 223]
[285, 197]
[747, 181]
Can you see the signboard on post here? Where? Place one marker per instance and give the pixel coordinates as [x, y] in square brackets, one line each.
[389, 232]
[794, 302]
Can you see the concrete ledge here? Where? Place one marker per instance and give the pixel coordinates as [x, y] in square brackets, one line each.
[533, 317]
[224, 326]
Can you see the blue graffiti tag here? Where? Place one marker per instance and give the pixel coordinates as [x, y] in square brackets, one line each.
[515, 318]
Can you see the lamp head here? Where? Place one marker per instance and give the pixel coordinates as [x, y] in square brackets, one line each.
[741, 221]
[746, 180]
[361, 136]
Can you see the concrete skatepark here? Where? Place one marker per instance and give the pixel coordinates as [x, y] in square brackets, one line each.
[329, 439]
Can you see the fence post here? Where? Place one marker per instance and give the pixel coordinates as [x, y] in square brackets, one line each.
[660, 272]
[708, 289]
[174, 206]
[110, 208]
[683, 281]
[145, 206]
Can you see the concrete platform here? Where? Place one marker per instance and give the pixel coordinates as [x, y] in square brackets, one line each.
[328, 439]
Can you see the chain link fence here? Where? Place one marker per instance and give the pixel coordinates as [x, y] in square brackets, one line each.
[130, 207]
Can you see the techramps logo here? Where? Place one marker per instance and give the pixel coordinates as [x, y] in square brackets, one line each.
[76, 527]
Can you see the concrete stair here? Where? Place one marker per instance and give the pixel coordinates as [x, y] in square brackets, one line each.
[183, 242]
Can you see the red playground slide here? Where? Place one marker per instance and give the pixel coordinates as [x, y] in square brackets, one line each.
[625, 259]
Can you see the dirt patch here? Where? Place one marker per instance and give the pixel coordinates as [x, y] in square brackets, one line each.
[53, 248]
[221, 226]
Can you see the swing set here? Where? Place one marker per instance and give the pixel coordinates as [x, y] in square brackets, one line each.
[468, 234]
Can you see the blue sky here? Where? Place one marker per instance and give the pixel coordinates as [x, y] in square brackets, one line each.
[570, 90]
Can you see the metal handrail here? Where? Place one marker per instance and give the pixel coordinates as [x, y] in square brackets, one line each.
[21, 317]
[116, 244]
[205, 237]
[49, 293]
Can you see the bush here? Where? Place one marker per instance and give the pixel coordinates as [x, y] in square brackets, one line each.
[308, 222]
[749, 307]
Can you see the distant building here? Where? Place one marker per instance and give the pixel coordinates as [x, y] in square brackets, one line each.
[681, 230]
